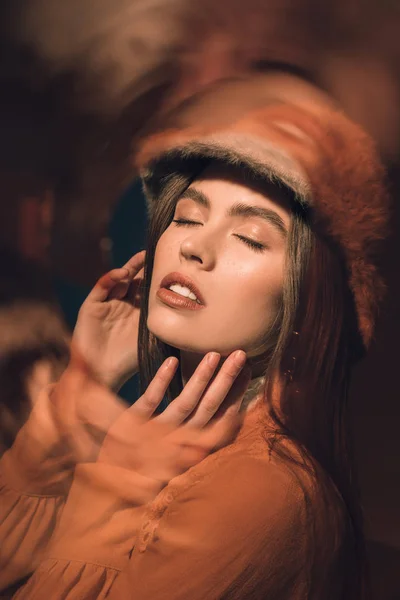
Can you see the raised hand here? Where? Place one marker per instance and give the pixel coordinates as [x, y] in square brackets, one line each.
[203, 418]
[106, 333]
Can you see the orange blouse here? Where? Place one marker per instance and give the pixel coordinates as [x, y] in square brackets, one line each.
[235, 526]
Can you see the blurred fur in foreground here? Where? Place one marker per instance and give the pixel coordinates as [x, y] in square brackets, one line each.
[34, 342]
[109, 73]
[117, 53]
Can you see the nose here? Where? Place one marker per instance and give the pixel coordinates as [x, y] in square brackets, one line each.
[198, 247]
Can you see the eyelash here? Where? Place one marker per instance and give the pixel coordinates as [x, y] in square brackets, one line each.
[256, 246]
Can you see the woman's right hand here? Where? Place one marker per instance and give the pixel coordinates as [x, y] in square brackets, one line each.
[106, 332]
[203, 418]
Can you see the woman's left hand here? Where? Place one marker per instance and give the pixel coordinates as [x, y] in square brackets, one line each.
[94, 424]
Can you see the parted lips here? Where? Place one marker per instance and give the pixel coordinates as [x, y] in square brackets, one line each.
[322, 157]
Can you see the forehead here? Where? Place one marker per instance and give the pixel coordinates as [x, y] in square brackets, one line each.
[226, 182]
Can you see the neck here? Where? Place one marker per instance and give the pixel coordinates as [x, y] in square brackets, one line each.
[189, 362]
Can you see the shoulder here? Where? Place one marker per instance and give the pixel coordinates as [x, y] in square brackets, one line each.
[243, 515]
[256, 477]
[248, 491]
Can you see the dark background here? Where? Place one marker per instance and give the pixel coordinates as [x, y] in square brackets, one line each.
[89, 233]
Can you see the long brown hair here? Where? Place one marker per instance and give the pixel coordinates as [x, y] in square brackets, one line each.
[315, 348]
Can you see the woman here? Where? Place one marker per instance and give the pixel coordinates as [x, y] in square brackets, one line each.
[272, 221]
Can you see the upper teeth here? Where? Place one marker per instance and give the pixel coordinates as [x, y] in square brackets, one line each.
[183, 291]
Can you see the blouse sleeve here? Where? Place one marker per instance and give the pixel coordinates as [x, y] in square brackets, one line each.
[96, 534]
[239, 535]
[68, 422]
[35, 475]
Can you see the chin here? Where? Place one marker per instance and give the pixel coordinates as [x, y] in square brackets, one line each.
[168, 327]
[172, 327]
[168, 335]
[165, 335]
[165, 329]
[184, 341]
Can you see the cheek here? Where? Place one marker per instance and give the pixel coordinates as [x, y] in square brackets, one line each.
[262, 287]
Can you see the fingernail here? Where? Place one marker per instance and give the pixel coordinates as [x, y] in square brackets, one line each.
[213, 359]
[170, 362]
[240, 358]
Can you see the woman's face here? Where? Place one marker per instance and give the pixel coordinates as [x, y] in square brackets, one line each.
[241, 285]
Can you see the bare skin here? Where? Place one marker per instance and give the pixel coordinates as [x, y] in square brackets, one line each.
[211, 247]
[204, 417]
[106, 332]
[241, 285]
[179, 438]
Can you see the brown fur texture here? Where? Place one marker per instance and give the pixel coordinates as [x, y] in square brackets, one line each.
[104, 72]
[338, 172]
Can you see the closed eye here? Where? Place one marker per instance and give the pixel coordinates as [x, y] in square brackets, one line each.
[256, 246]
[185, 222]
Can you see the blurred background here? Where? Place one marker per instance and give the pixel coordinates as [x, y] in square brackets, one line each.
[71, 206]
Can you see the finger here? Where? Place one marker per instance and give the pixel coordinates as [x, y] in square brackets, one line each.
[129, 289]
[223, 431]
[195, 444]
[105, 284]
[189, 455]
[133, 295]
[182, 407]
[136, 263]
[85, 409]
[234, 397]
[219, 388]
[145, 406]
[136, 272]
[219, 433]
[120, 290]
[109, 281]
[224, 425]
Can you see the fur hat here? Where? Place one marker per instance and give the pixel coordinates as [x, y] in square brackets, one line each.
[328, 163]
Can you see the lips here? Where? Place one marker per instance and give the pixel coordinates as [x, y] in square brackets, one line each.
[183, 280]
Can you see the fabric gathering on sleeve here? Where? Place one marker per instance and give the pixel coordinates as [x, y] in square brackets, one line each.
[26, 526]
[96, 534]
[35, 476]
[69, 579]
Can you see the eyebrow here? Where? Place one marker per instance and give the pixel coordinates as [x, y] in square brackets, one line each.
[239, 210]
